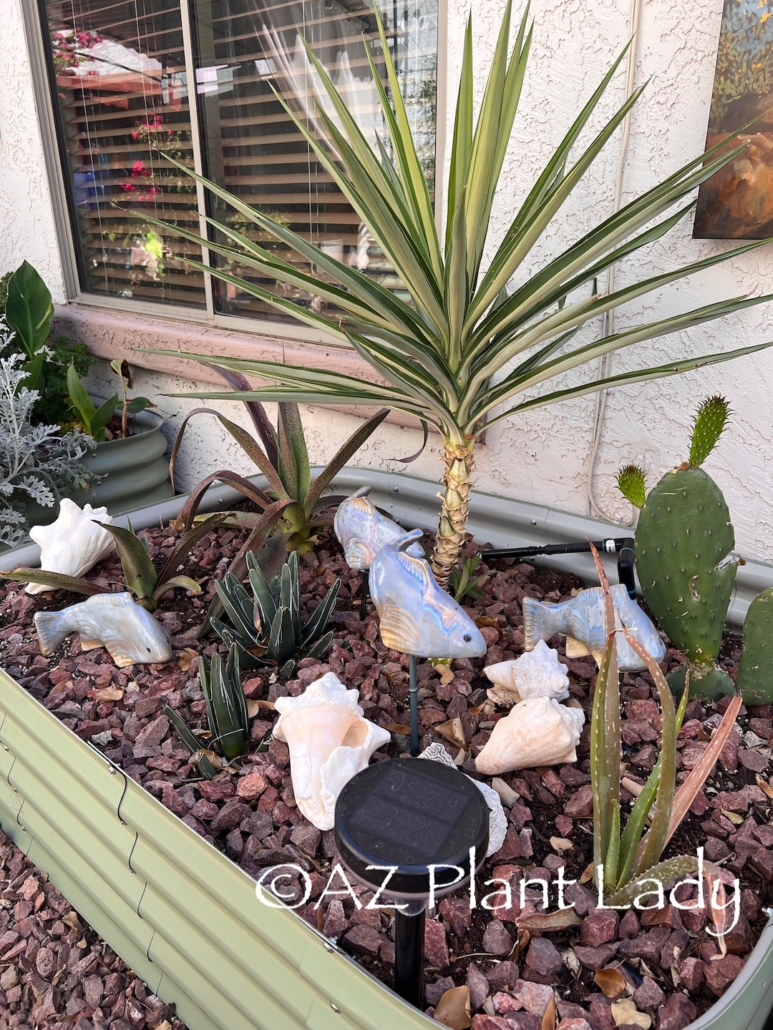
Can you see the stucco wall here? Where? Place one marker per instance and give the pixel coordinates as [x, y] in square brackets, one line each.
[542, 456]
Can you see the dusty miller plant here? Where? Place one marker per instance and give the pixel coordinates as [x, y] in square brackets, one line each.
[36, 462]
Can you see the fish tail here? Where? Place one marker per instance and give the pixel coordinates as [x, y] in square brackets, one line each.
[539, 622]
[52, 628]
[404, 541]
[362, 492]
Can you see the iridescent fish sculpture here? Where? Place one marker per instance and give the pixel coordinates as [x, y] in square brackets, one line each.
[129, 632]
[362, 531]
[582, 620]
[417, 617]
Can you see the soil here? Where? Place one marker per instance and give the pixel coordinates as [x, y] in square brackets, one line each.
[669, 963]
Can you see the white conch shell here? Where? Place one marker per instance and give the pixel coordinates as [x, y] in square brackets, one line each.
[536, 673]
[497, 820]
[329, 742]
[74, 543]
[536, 732]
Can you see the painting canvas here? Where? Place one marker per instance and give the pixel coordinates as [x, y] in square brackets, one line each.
[737, 202]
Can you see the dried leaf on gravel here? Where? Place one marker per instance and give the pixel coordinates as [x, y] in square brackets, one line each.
[625, 1013]
[453, 731]
[108, 694]
[561, 844]
[544, 922]
[186, 658]
[453, 1009]
[549, 1016]
[396, 727]
[610, 981]
[253, 707]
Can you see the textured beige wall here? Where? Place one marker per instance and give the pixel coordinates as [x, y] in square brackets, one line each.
[542, 456]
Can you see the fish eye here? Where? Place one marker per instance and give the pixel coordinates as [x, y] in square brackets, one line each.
[467, 638]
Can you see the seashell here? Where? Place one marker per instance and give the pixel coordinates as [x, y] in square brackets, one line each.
[536, 732]
[74, 543]
[497, 820]
[329, 742]
[416, 616]
[536, 673]
[362, 531]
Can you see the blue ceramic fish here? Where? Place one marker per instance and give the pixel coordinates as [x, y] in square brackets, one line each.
[582, 619]
[128, 631]
[362, 531]
[417, 617]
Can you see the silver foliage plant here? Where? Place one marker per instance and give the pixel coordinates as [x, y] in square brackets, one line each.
[36, 462]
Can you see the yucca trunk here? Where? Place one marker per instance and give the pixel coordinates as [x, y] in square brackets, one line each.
[458, 460]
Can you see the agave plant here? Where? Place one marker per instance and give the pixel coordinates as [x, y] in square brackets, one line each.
[226, 712]
[463, 353]
[147, 585]
[266, 628]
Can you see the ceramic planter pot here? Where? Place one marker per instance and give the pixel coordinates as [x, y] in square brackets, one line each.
[135, 469]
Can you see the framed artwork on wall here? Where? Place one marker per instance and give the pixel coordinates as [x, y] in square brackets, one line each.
[737, 202]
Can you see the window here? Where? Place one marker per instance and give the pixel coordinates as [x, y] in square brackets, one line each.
[122, 71]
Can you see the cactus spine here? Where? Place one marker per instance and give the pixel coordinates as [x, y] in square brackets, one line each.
[755, 673]
[683, 539]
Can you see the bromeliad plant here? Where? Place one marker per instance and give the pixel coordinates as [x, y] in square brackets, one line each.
[226, 713]
[147, 585]
[623, 864]
[266, 628]
[462, 353]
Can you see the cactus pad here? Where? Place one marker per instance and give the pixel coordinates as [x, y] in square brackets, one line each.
[630, 483]
[710, 420]
[683, 537]
[705, 681]
[755, 673]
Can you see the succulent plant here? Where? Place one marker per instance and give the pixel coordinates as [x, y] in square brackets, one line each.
[630, 483]
[755, 672]
[226, 712]
[266, 628]
[683, 542]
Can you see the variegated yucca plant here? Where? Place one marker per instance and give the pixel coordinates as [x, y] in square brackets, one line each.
[624, 864]
[462, 353]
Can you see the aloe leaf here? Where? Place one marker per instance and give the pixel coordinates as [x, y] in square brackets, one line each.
[56, 580]
[321, 646]
[192, 742]
[138, 570]
[294, 469]
[263, 597]
[255, 410]
[663, 873]
[281, 645]
[234, 608]
[321, 614]
[183, 582]
[244, 486]
[340, 458]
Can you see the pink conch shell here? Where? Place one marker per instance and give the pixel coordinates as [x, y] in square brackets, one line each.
[536, 673]
[329, 742]
[536, 732]
[74, 543]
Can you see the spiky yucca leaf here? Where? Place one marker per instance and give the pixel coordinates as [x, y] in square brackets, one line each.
[710, 419]
[630, 483]
[436, 355]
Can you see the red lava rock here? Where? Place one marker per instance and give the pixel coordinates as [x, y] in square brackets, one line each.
[648, 995]
[719, 975]
[595, 958]
[543, 963]
[564, 825]
[601, 1012]
[715, 850]
[582, 899]
[251, 786]
[363, 940]
[762, 861]
[485, 1022]
[456, 912]
[504, 975]
[505, 1004]
[599, 927]
[336, 922]
[496, 939]
[580, 804]
[740, 939]
[677, 1013]
[435, 946]
[691, 973]
[574, 1023]
[230, 815]
[533, 997]
[307, 838]
[647, 946]
[153, 733]
[434, 992]
[666, 916]
[478, 986]
[629, 925]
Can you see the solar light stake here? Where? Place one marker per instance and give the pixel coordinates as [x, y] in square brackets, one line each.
[413, 830]
[409, 951]
[414, 706]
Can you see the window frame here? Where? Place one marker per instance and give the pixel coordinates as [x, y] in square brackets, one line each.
[35, 24]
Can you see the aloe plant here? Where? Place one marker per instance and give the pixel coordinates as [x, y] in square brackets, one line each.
[147, 585]
[624, 863]
[266, 628]
[226, 711]
[462, 353]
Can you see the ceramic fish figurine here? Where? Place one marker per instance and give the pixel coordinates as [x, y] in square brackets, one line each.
[329, 741]
[129, 632]
[362, 531]
[417, 617]
[497, 820]
[536, 673]
[74, 543]
[582, 620]
[536, 732]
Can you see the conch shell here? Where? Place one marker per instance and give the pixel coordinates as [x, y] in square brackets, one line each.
[329, 742]
[536, 673]
[536, 732]
[74, 543]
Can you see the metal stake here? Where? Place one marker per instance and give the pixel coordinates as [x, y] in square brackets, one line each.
[414, 706]
[409, 952]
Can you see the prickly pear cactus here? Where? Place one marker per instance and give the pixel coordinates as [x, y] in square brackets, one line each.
[630, 483]
[684, 535]
[710, 420]
[755, 673]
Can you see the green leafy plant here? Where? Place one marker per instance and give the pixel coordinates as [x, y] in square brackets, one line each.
[29, 309]
[463, 581]
[625, 863]
[147, 585]
[266, 627]
[226, 712]
[95, 419]
[462, 353]
[128, 407]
